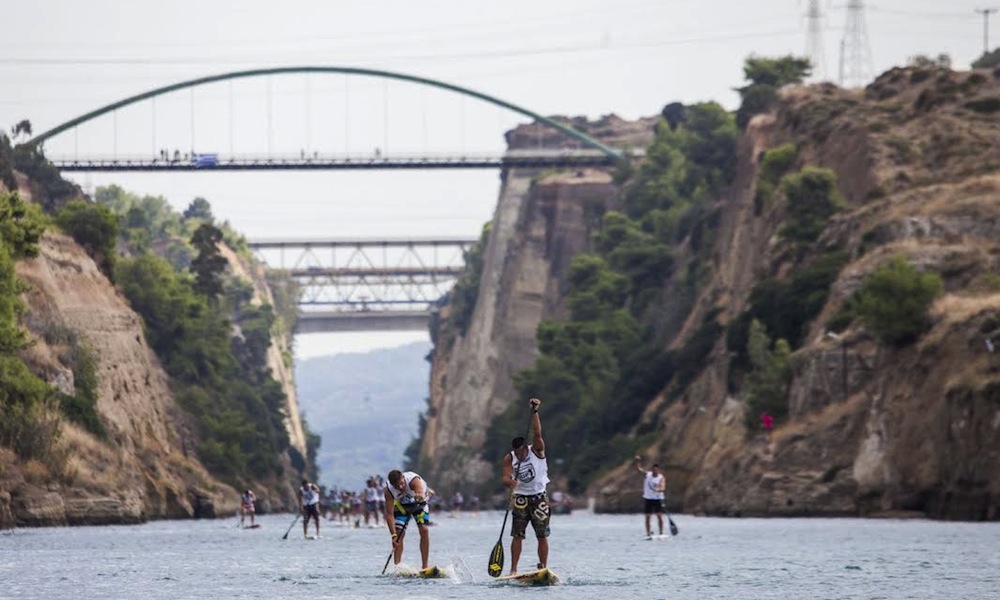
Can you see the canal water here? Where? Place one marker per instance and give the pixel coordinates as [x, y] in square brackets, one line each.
[597, 556]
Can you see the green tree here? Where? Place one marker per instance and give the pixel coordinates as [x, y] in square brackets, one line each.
[21, 225]
[21, 228]
[466, 290]
[209, 265]
[766, 77]
[895, 299]
[988, 60]
[12, 337]
[770, 375]
[22, 128]
[812, 199]
[94, 227]
[774, 164]
[199, 209]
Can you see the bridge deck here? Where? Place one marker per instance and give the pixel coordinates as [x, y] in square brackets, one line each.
[338, 321]
[540, 160]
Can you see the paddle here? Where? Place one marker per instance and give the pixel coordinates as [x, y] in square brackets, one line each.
[673, 526]
[398, 535]
[285, 537]
[496, 556]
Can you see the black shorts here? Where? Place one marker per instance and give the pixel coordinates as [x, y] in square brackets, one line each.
[310, 510]
[653, 506]
[531, 509]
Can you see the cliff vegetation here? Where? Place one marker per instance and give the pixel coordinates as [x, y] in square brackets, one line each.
[823, 256]
[146, 370]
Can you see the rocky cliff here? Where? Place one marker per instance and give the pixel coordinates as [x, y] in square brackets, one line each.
[542, 221]
[146, 468]
[872, 430]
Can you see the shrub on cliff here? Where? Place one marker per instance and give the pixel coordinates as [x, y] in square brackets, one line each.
[766, 77]
[690, 162]
[767, 383]
[774, 164]
[219, 380]
[29, 424]
[988, 60]
[812, 198]
[894, 301]
[94, 227]
[55, 190]
[466, 289]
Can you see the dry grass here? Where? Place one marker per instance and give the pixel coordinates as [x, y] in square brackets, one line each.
[954, 308]
[35, 472]
[91, 464]
[811, 422]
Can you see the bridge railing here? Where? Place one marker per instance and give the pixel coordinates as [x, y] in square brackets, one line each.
[210, 161]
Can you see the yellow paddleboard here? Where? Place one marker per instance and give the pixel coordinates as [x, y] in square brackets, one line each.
[432, 572]
[540, 577]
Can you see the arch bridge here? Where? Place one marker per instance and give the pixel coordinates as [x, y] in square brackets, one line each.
[588, 151]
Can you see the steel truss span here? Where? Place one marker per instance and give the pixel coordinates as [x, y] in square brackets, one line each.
[366, 285]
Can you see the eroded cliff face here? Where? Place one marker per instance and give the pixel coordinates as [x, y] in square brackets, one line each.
[537, 229]
[146, 469]
[541, 222]
[872, 430]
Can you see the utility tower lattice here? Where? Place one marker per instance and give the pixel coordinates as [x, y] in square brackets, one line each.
[814, 40]
[986, 12]
[855, 52]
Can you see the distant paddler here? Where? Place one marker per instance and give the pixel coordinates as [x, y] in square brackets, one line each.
[309, 504]
[247, 507]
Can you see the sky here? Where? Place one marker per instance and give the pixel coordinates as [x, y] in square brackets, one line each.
[62, 58]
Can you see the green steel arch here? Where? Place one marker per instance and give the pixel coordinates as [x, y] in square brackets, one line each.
[573, 133]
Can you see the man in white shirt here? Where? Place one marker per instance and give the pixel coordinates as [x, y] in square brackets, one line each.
[526, 471]
[653, 487]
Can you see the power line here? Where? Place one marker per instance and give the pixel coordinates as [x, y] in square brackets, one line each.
[596, 46]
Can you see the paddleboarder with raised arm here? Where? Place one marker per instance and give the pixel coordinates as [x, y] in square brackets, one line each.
[526, 470]
[653, 487]
[309, 503]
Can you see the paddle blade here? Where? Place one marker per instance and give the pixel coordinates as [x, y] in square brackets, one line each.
[673, 528]
[496, 560]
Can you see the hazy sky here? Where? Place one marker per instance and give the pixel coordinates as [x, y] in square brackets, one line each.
[62, 58]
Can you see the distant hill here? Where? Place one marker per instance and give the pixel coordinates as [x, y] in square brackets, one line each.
[365, 406]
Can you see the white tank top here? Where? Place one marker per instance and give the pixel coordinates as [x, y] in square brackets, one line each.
[650, 486]
[407, 496]
[531, 475]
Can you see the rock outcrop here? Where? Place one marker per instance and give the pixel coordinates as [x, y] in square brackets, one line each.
[541, 222]
[872, 430]
[145, 469]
